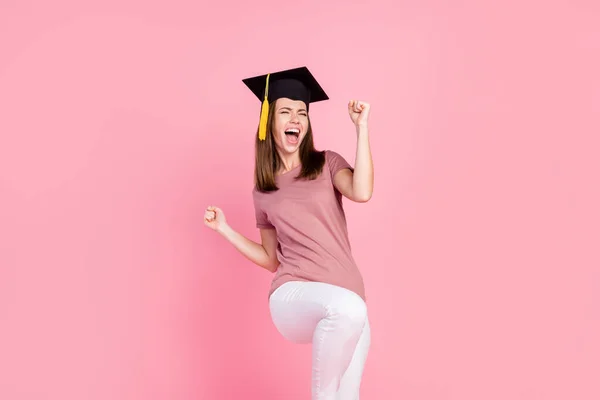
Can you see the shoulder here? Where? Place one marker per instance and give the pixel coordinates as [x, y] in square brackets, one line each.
[332, 155]
[256, 194]
[260, 197]
[258, 200]
[336, 162]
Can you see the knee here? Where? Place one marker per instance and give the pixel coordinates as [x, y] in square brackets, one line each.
[353, 313]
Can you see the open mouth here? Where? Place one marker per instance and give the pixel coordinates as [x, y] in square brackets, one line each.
[293, 132]
[292, 135]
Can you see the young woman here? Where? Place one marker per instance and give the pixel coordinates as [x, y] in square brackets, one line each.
[317, 294]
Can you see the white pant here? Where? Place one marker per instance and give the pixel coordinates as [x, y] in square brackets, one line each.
[334, 320]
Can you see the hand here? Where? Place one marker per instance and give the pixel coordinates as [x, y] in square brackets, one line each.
[214, 218]
[359, 112]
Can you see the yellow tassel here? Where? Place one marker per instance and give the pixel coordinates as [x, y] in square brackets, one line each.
[264, 114]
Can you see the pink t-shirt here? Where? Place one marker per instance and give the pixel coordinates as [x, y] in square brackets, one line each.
[311, 229]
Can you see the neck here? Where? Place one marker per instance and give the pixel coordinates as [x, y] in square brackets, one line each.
[289, 161]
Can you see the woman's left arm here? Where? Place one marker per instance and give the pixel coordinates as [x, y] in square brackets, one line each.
[358, 185]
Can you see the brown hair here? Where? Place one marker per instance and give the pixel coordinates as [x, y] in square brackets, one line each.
[267, 161]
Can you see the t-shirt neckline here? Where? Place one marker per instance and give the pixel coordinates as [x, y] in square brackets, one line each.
[289, 172]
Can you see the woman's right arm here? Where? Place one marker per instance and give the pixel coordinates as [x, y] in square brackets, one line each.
[263, 255]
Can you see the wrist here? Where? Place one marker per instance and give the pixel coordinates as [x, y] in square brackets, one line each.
[224, 229]
[362, 129]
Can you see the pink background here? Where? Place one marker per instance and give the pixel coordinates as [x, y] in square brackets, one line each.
[121, 121]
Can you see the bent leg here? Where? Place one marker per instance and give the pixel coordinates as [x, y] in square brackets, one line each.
[335, 339]
[334, 319]
[294, 311]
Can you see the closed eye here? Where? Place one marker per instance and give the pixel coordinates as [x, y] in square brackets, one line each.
[286, 110]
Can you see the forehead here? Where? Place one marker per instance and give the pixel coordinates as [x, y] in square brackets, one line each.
[293, 104]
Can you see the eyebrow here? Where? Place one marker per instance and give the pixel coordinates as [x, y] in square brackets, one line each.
[289, 109]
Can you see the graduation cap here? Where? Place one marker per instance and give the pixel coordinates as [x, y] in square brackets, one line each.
[295, 84]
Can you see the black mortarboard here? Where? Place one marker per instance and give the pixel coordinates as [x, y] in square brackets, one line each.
[295, 84]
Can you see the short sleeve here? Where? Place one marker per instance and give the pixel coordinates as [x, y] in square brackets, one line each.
[262, 220]
[336, 162]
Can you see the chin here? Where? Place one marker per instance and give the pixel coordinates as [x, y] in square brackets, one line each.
[289, 150]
